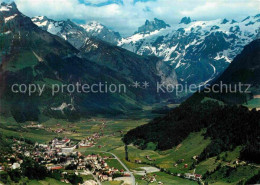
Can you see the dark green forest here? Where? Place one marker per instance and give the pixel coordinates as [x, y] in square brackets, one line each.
[228, 126]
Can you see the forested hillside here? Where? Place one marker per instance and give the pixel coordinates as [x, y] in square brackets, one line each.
[227, 127]
[227, 123]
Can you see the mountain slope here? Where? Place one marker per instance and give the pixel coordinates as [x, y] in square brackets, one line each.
[31, 55]
[35, 56]
[68, 30]
[101, 32]
[226, 126]
[151, 26]
[243, 70]
[129, 64]
[77, 34]
[198, 50]
[246, 66]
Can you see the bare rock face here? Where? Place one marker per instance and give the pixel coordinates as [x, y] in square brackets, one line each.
[151, 26]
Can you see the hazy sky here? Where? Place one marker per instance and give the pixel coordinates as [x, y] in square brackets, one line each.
[126, 15]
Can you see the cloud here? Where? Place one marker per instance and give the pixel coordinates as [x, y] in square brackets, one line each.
[126, 16]
[96, 1]
[224, 9]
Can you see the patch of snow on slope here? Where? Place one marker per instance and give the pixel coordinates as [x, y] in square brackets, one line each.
[41, 18]
[93, 27]
[54, 29]
[64, 36]
[10, 18]
[169, 51]
[4, 9]
[150, 36]
[211, 78]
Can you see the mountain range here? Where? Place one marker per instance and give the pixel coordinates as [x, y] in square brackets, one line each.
[209, 138]
[198, 51]
[77, 34]
[190, 52]
[31, 55]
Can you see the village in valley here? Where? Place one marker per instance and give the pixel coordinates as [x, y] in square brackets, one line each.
[96, 155]
[62, 154]
[67, 156]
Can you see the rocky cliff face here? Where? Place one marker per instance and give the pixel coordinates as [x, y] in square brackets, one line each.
[151, 26]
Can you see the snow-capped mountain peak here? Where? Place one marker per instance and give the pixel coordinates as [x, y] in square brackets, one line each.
[93, 26]
[77, 34]
[68, 30]
[151, 26]
[185, 20]
[96, 29]
[9, 15]
[197, 50]
[8, 9]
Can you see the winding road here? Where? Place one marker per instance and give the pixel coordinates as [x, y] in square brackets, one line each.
[126, 169]
[89, 172]
[132, 176]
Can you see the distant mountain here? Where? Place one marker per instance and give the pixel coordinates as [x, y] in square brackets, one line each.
[68, 30]
[77, 34]
[245, 68]
[151, 26]
[199, 51]
[106, 53]
[31, 55]
[185, 20]
[101, 32]
[127, 63]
